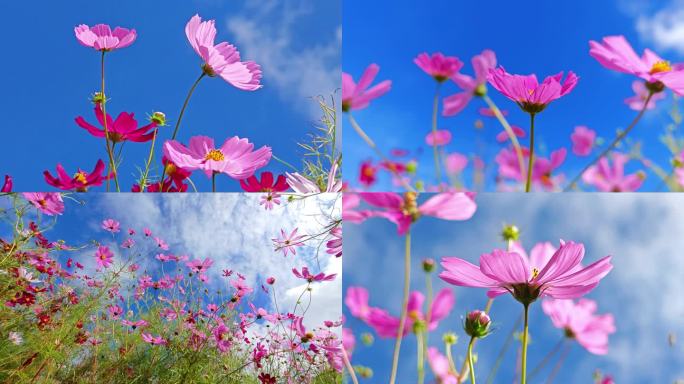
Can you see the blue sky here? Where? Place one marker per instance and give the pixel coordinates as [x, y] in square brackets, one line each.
[50, 78]
[232, 229]
[641, 231]
[530, 36]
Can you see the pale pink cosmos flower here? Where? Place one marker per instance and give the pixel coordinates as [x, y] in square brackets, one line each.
[288, 243]
[580, 322]
[641, 92]
[101, 37]
[530, 95]
[482, 63]
[543, 169]
[439, 138]
[356, 300]
[221, 59]
[302, 185]
[348, 341]
[441, 367]
[583, 140]
[49, 203]
[269, 200]
[350, 202]
[503, 137]
[334, 245]
[386, 325]
[200, 266]
[358, 96]
[440, 67]
[615, 53]
[236, 157]
[455, 163]
[111, 225]
[611, 178]
[134, 324]
[404, 210]
[306, 275]
[154, 340]
[561, 277]
[103, 256]
[15, 338]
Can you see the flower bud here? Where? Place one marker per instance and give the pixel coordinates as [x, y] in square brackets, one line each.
[411, 167]
[363, 372]
[270, 280]
[477, 324]
[480, 90]
[428, 265]
[450, 338]
[510, 233]
[97, 98]
[419, 327]
[367, 339]
[158, 118]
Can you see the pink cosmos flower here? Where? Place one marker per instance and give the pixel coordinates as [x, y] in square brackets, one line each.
[288, 243]
[154, 340]
[488, 112]
[455, 163]
[270, 281]
[502, 272]
[368, 174]
[50, 203]
[527, 92]
[583, 140]
[81, 180]
[439, 137]
[269, 200]
[502, 136]
[350, 202]
[103, 256]
[641, 92]
[358, 96]
[441, 367]
[266, 184]
[388, 326]
[304, 186]
[124, 128]
[482, 64]
[403, 211]
[7, 186]
[617, 54]
[134, 324]
[101, 37]
[111, 225]
[580, 322]
[348, 341]
[200, 266]
[440, 67]
[334, 245]
[306, 275]
[235, 157]
[543, 169]
[607, 178]
[115, 311]
[222, 59]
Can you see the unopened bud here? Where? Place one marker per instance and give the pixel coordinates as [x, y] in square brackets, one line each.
[477, 324]
[510, 233]
[428, 265]
[450, 338]
[158, 118]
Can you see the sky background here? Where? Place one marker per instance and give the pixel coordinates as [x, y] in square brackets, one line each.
[232, 229]
[643, 233]
[49, 80]
[530, 36]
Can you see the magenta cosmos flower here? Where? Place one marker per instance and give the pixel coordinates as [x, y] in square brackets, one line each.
[222, 59]
[359, 96]
[368, 174]
[561, 277]
[440, 137]
[607, 178]
[350, 202]
[50, 203]
[288, 243]
[615, 53]
[235, 157]
[403, 211]
[103, 256]
[7, 185]
[111, 225]
[476, 86]
[527, 92]
[455, 163]
[101, 37]
[440, 67]
[151, 339]
[81, 180]
[543, 169]
[306, 275]
[641, 93]
[124, 128]
[266, 184]
[580, 322]
[583, 140]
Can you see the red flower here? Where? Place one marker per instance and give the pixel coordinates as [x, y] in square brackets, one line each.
[252, 184]
[265, 378]
[80, 181]
[7, 187]
[124, 128]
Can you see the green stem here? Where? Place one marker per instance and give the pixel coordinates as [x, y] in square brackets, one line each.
[509, 132]
[435, 108]
[558, 365]
[471, 366]
[375, 148]
[143, 182]
[349, 367]
[530, 162]
[185, 105]
[523, 371]
[547, 358]
[421, 357]
[110, 152]
[404, 308]
[213, 182]
[613, 144]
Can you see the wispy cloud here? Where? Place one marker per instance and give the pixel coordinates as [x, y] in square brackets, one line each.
[301, 68]
[658, 23]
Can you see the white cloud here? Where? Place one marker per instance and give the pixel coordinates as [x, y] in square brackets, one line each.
[663, 27]
[266, 33]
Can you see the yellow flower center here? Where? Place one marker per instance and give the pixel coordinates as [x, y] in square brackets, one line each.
[661, 66]
[215, 155]
[535, 273]
[369, 172]
[170, 168]
[80, 177]
[415, 315]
